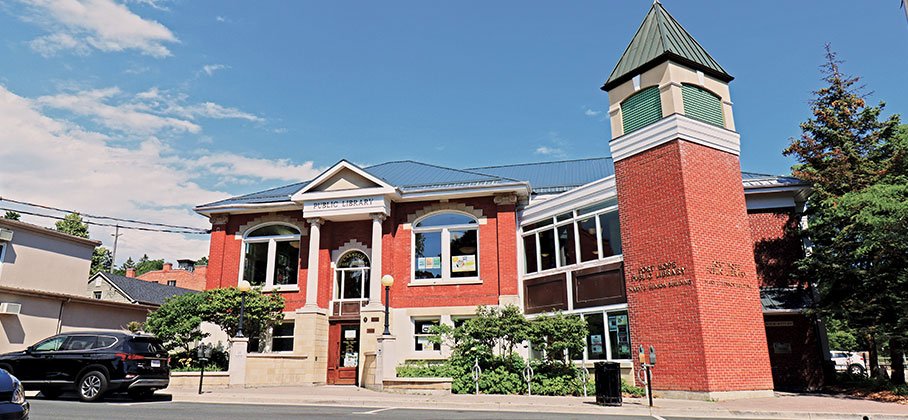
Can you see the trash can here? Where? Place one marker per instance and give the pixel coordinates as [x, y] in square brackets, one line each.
[608, 383]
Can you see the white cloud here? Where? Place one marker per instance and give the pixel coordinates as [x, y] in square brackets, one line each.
[53, 161]
[549, 151]
[556, 147]
[221, 19]
[105, 25]
[591, 113]
[209, 69]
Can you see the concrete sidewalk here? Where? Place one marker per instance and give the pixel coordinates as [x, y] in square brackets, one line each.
[782, 406]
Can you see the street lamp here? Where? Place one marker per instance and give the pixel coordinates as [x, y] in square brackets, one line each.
[387, 280]
[243, 287]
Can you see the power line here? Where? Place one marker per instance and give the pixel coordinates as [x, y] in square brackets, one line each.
[140, 222]
[89, 222]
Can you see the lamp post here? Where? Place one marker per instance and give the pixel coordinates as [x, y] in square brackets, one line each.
[243, 287]
[387, 280]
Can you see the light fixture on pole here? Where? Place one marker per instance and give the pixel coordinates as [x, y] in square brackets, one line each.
[387, 280]
[243, 287]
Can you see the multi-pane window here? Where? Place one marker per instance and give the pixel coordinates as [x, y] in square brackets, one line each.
[171, 282]
[608, 336]
[446, 246]
[271, 256]
[282, 337]
[582, 235]
[421, 333]
[352, 277]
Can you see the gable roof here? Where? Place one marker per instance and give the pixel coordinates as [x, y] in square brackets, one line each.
[143, 292]
[408, 175]
[554, 177]
[273, 195]
[660, 38]
[337, 168]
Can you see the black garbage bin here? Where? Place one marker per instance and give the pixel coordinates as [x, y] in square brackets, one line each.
[608, 383]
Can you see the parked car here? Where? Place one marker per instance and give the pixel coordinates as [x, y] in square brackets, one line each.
[849, 361]
[13, 405]
[92, 364]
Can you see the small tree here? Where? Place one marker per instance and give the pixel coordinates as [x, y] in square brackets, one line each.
[222, 307]
[202, 261]
[100, 260]
[558, 335]
[74, 225]
[145, 265]
[11, 215]
[178, 321]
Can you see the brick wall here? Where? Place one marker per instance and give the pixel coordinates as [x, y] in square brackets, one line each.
[682, 207]
[195, 280]
[777, 245]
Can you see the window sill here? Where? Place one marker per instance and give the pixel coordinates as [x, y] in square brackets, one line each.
[443, 282]
[281, 289]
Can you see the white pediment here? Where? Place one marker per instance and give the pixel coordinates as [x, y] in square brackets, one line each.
[344, 179]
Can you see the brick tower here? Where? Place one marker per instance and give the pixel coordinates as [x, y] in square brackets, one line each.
[692, 288]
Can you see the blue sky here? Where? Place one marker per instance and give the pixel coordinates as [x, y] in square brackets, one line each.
[145, 108]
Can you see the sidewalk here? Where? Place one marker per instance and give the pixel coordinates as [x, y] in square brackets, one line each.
[783, 406]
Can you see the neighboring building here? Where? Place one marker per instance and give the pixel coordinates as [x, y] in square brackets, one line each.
[679, 267]
[112, 287]
[188, 275]
[42, 287]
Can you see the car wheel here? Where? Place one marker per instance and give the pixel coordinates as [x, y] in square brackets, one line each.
[51, 393]
[92, 386]
[857, 370]
[140, 394]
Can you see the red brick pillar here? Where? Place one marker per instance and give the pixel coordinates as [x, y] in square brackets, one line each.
[216, 252]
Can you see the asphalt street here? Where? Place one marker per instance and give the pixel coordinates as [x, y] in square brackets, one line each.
[164, 409]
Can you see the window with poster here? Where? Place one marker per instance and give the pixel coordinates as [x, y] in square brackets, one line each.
[422, 332]
[609, 336]
[446, 247]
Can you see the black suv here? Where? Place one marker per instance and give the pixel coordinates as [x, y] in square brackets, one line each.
[92, 364]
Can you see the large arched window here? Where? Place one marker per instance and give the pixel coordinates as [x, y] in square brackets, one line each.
[352, 277]
[446, 246]
[271, 256]
[701, 104]
[641, 109]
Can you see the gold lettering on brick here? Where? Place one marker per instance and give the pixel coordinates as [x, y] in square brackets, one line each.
[659, 271]
[721, 268]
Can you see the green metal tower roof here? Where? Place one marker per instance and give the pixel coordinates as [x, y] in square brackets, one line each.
[661, 38]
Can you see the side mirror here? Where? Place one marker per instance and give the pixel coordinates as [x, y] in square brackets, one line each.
[30, 349]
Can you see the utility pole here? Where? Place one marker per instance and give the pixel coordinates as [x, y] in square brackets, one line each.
[113, 257]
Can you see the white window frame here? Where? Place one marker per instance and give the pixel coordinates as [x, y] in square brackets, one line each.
[417, 334]
[338, 291]
[445, 250]
[271, 339]
[554, 225]
[172, 283]
[272, 255]
[3, 247]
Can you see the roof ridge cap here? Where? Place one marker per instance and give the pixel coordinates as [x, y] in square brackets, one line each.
[540, 163]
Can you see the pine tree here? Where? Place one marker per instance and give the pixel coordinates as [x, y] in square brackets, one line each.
[11, 215]
[857, 211]
[73, 225]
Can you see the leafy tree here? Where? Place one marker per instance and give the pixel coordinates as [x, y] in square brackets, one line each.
[145, 265]
[178, 321]
[558, 335]
[11, 215]
[856, 162]
[73, 225]
[202, 261]
[100, 260]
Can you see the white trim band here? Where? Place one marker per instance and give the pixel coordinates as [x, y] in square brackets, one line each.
[674, 127]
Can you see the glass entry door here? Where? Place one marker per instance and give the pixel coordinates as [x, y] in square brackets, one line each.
[343, 353]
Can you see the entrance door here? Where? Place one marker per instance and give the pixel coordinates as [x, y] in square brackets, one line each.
[343, 353]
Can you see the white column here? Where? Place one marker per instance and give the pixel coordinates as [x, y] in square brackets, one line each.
[375, 268]
[315, 224]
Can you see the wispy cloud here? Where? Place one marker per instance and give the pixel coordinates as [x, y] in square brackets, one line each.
[546, 150]
[555, 147]
[80, 26]
[591, 112]
[209, 69]
[221, 19]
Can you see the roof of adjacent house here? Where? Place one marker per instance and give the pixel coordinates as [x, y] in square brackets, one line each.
[144, 292]
[659, 38]
[785, 299]
[551, 177]
[16, 224]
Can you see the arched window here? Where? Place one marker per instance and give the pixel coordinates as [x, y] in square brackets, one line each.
[271, 255]
[446, 246]
[701, 104]
[641, 109]
[351, 276]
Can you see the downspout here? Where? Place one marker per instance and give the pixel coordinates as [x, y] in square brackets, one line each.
[60, 315]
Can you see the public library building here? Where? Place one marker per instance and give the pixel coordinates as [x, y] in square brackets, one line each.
[665, 243]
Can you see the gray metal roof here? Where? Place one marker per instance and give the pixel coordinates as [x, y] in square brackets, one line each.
[660, 38]
[408, 175]
[554, 177]
[273, 195]
[145, 292]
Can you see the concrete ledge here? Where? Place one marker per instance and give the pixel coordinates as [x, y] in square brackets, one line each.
[215, 379]
[713, 395]
[424, 386]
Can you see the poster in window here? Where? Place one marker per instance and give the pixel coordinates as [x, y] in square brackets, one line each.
[595, 339]
[596, 348]
[612, 324]
[421, 263]
[621, 320]
[463, 263]
[426, 328]
[351, 359]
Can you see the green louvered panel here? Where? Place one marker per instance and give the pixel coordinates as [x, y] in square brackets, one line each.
[641, 110]
[702, 105]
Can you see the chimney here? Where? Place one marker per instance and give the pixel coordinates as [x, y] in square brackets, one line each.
[130, 272]
[168, 266]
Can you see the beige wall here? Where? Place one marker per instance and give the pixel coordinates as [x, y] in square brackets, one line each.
[45, 261]
[40, 319]
[108, 291]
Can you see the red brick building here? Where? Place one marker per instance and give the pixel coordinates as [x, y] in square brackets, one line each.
[188, 275]
[667, 243]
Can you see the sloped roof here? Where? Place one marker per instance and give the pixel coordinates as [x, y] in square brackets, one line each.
[145, 292]
[785, 299]
[273, 195]
[409, 175]
[554, 177]
[660, 38]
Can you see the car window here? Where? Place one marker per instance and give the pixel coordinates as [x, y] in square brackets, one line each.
[79, 342]
[146, 346]
[105, 341]
[51, 344]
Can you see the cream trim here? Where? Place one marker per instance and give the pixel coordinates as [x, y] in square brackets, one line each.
[351, 245]
[439, 207]
[270, 218]
[675, 127]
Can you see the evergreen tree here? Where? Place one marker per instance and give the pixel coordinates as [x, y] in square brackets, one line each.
[73, 225]
[145, 265]
[202, 261]
[856, 162]
[11, 215]
[100, 260]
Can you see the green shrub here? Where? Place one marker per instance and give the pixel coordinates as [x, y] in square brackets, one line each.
[425, 369]
[633, 390]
